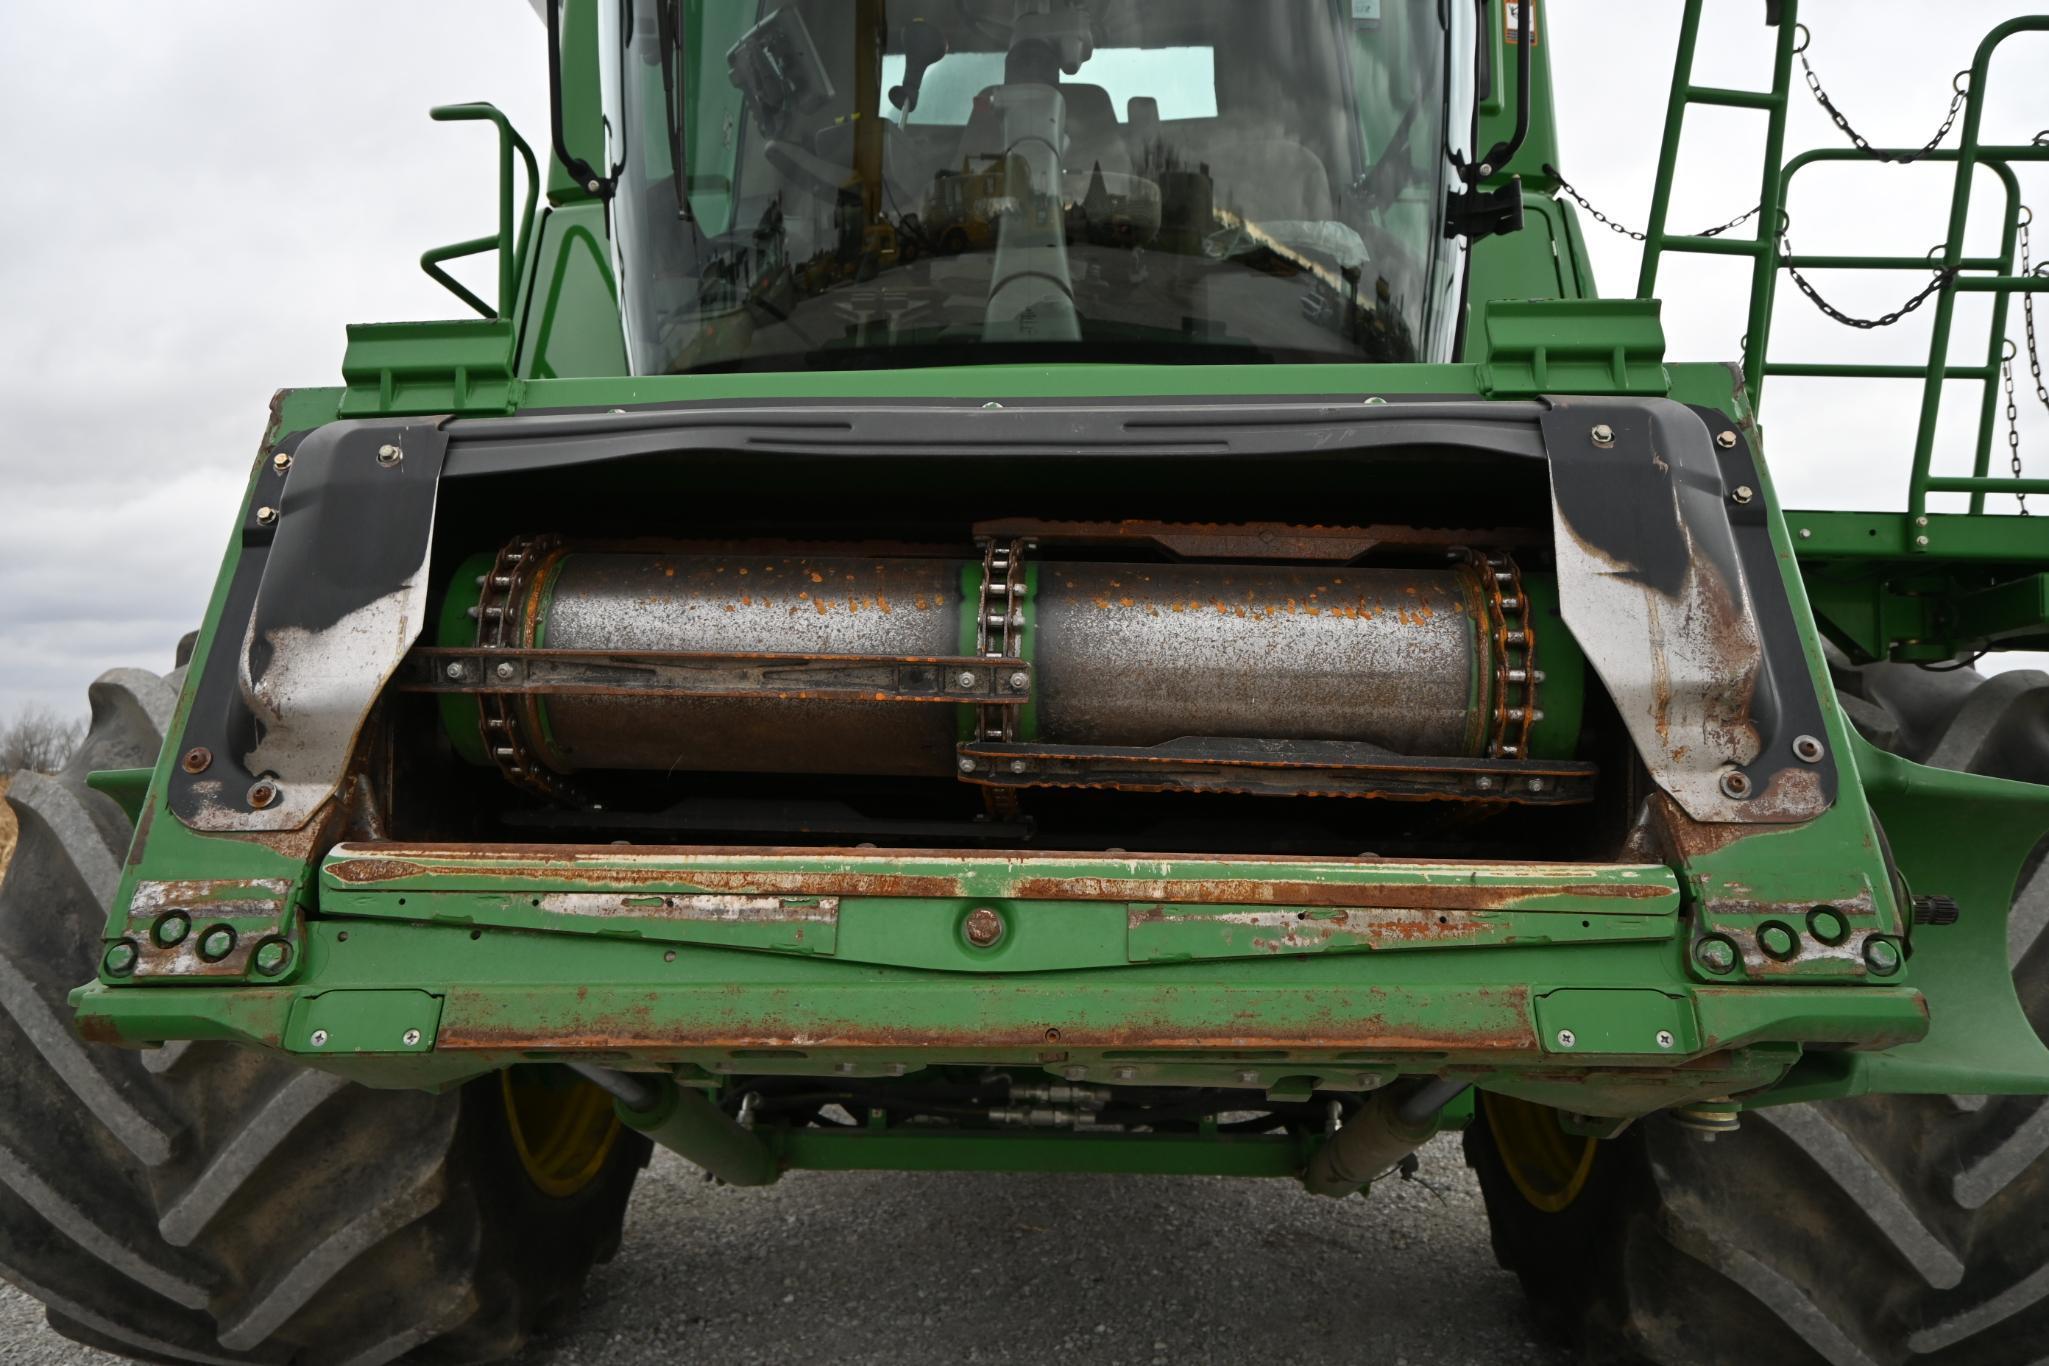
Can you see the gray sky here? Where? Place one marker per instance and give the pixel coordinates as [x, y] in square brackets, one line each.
[206, 193]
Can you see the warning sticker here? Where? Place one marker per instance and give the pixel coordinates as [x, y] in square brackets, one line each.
[1366, 11]
[1512, 19]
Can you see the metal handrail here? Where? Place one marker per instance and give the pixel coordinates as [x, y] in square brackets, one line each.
[511, 246]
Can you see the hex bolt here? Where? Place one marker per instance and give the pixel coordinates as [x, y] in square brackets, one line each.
[1535, 784]
[1567, 1039]
[1807, 749]
[262, 793]
[983, 927]
[318, 1038]
[1483, 783]
[281, 462]
[967, 765]
[455, 670]
[388, 456]
[1881, 955]
[171, 928]
[1604, 435]
[967, 679]
[1665, 1039]
[1736, 784]
[1742, 494]
[1018, 765]
[1125, 1073]
[1726, 440]
[198, 759]
[505, 669]
[120, 959]
[217, 943]
[1921, 540]
[1020, 680]
[271, 957]
[265, 516]
[411, 1038]
[1715, 954]
[1777, 941]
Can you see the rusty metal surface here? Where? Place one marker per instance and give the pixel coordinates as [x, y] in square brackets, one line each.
[1141, 654]
[746, 675]
[1253, 540]
[255, 909]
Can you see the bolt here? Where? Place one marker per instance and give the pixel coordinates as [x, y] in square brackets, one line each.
[1248, 1078]
[388, 456]
[318, 1038]
[198, 759]
[262, 793]
[1742, 494]
[1020, 680]
[1535, 784]
[120, 959]
[505, 669]
[1881, 955]
[281, 462]
[591, 185]
[1921, 521]
[1920, 540]
[1665, 1038]
[983, 927]
[171, 929]
[411, 1038]
[271, 957]
[1566, 1038]
[455, 669]
[967, 765]
[1018, 765]
[1486, 168]
[1604, 435]
[1372, 1081]
[1483, 783]
[1125, 1073]
[1777, 941]
[1826, 925]
[1736, 784]
[217, 943]
[265, 516]
[1716, 954]
[967, 679]
[1807, 749]
[1806, 533]
[1726, 440]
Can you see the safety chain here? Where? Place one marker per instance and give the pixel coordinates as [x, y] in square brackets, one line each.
[1631, 233]
[2013, 433]
[1960, 88]
[1942, 278]
[500, 621]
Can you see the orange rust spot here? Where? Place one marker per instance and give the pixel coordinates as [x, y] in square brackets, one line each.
[1124, 602]
[817, 577]
[882, 604]
[818, 604]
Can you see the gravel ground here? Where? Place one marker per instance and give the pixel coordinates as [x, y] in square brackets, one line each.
[907, 1270]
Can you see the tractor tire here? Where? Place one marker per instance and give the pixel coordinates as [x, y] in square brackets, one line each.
[1873, 1231]
[210, 1203]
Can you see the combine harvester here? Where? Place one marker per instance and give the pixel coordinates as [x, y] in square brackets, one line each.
[1039, 586]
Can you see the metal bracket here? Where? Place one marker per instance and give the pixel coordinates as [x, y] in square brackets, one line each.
[242, 928]
[997, 681]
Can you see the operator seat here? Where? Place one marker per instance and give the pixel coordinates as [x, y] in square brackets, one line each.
[1094, 137]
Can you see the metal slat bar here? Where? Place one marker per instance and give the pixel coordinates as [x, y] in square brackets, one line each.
[1823, 370]
[1723, 97]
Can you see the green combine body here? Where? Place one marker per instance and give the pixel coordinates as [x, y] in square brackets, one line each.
[1058, 587]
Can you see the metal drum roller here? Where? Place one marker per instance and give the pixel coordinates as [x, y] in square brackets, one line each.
[1107, 657]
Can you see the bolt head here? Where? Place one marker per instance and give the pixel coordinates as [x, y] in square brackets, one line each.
[505, 669]
[967, 765]
[1483, 783]
[1567, 1039]
[966, 679]
[262, 793]
[1777, 941]
[1716, 954]
[198, 759]
[983, 927]
[1248, 1078]
[1020, 680]
[1807, 749]
[388, 456]
[271, 957]
[1603, 434]
[1742, 494]
[1806, 533]
[455, 670]
[1921, 540]
[1665, 1039]
[120, 959]
[318, 1038]
[1736, 784]
[1881, 955]
[411, 1038]
[1726, 440]
[281, 462]
[1018, 765]
[217, 943]
[1535, 784]
[265, 516]
[171, 928]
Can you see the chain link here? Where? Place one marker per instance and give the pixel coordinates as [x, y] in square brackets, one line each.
[1960, 88]
[1572, 192]
[1942, 277]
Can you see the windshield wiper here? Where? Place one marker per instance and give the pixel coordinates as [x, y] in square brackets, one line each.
[669, 16]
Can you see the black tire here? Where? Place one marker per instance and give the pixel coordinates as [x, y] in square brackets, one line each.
[1879, 1230]
[206, 1203]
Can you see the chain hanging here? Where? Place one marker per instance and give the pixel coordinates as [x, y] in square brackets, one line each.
[1632, 234]
[1941, 278]
[1960, 91]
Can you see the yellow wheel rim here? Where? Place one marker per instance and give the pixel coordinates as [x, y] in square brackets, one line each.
[563, 1134]
[1548, 1165]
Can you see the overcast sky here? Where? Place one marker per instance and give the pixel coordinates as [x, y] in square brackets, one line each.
[206, 192]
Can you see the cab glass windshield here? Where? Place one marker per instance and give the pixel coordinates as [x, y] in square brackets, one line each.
[903, 182]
